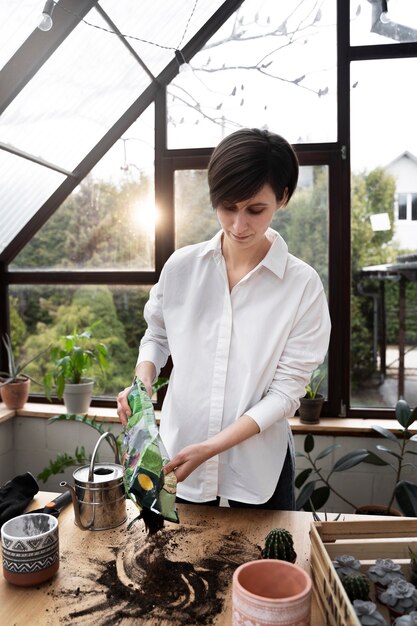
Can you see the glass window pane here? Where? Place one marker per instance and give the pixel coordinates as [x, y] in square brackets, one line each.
[195, 219]
[402, 206]
[23, 190]
[414, 207]
[160, 24]
[75, 97]
[108, 222]
[384, 169]
[255, 73]
[304, 223]
[17, 21]
[369, 25]
[41, 314]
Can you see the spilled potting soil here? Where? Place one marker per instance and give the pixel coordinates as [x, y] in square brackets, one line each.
[176, 576]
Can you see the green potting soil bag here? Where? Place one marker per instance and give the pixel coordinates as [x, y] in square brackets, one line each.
[143, 458]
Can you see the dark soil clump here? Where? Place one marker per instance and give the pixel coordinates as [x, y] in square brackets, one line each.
[179, 577]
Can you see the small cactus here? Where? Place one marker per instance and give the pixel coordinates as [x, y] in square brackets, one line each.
[356, 586]
[279, 545]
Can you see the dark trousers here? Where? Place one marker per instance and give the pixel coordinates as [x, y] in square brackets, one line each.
[283, 498]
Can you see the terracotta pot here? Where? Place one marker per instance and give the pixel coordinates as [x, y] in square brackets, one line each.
[271, 592]
[16, 394]
[377, 509]
[310, 409]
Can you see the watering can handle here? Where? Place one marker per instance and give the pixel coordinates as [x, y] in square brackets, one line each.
[113, 443]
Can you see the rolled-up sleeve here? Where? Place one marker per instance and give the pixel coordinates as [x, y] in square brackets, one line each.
[304, 351]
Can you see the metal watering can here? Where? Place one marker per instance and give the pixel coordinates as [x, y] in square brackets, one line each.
[99, 496]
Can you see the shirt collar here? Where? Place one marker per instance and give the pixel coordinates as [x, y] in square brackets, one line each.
[275, 259]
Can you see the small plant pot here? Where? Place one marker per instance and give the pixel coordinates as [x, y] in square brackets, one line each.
[271, 592]
[310, 409]
[77, 398]
[16, 394]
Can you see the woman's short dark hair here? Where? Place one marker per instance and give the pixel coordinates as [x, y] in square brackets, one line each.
[246, 160]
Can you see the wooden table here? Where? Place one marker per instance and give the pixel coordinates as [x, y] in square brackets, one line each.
[80, 593]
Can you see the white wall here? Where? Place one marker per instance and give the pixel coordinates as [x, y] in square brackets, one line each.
[28, 443]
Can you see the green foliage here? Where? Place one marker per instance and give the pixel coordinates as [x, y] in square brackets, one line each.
[356, 587]
[313, 497]
[279, 544]
[16, 370]
[62, 462]
[304, 223]
[314, 385]
[72, 361]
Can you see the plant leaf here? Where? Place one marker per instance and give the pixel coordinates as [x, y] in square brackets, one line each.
[327, 451]
[309, 443]
[302, 477]
[385, 433]
[374, 459]
[350, 460]
[320, 497]
[305, 495]
[388, 451]
[406, 494]
[403, 413]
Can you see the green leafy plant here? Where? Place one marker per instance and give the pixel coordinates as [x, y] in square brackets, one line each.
[72, 360]
[61, 462]
[315, 485]
[404, 491]
[64, 460]
[313, 386]
[16, 371]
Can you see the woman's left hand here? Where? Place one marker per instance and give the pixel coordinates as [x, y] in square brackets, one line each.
[187, 460]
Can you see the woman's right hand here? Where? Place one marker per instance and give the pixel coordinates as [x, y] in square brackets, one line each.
[146, 372]
[123, 408]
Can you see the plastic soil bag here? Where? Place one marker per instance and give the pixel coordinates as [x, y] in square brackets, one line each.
[143, 459]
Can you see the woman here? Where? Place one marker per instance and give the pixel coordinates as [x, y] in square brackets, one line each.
[245, 323]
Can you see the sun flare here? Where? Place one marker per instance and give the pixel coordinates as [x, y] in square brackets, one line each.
[145, 216]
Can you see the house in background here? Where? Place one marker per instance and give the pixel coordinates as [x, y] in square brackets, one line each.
[404, 169]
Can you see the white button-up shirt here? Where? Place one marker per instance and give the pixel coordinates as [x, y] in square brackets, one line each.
[248, 351]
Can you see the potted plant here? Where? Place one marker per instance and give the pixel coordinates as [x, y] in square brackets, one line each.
[315, 486]
[279, 544]
[400, 597]
[15, 382]
[72, 359]
[312, 403]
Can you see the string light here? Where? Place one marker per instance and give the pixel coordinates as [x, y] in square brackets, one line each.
[45, 22]
[184, 66]
[384, 17]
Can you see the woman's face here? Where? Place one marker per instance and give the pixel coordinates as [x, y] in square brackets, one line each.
[245, 223]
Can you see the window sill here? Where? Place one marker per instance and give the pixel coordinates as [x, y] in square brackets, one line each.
[355, 427]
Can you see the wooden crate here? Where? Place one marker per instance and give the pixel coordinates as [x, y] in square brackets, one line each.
[364, 540]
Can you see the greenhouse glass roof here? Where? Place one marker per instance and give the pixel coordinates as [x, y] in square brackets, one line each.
[64, 90]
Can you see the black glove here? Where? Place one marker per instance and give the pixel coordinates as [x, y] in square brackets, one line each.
[15, 495]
